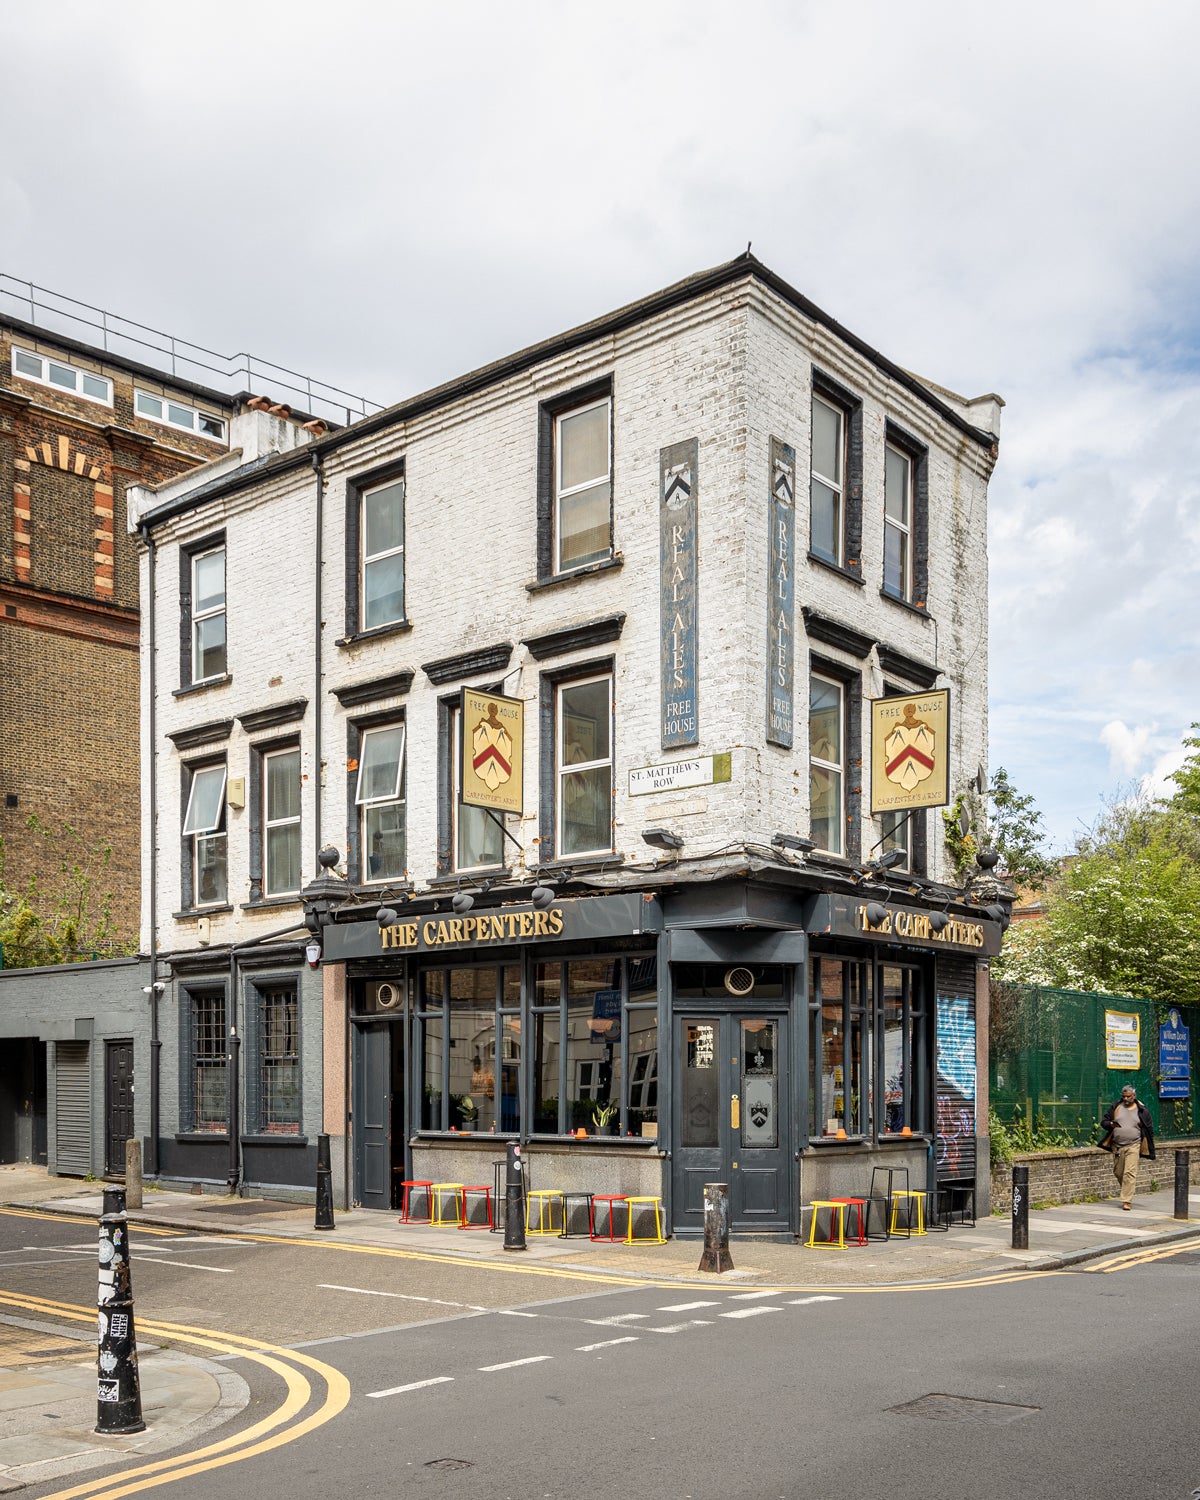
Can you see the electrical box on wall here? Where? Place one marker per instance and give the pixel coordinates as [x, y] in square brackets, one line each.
[235, 791]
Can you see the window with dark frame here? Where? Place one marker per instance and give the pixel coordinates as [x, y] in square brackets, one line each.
[210, 1080]
[281, 821]
[583, 766]
[575, 481]
[827, 484]
[827, 763]
[382, 562]
[905, 519]
[379, 796]
[204, 830]
[208, 625]
[279, 1060]
[476, 835]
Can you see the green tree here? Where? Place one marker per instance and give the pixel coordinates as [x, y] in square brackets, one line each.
[64, 915]
[1016, 829]
[1187, 778]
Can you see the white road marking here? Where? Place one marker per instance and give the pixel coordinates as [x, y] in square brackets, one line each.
[186, 1264]
[607, 1344]
[692, 1323]
[750, 1312]
[511, 1364]
[417, 1385]
[750, 1296]
[508, 1312]
[686, 1306]
[804, 1301]
[618, 1320]
[364, 1291]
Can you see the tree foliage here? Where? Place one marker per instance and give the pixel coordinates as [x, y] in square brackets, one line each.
[1007, 821]
[1187, 778]
[1123, 914]
[65, 914]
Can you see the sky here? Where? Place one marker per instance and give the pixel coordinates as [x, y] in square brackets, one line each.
[1000, 198]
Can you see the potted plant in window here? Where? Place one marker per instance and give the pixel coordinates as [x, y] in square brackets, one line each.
[604, 1115]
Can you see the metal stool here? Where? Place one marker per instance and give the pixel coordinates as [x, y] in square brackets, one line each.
[465, 1220]
[612, 1199]
[544, 1198]
[566, 1200]
[860, 1204]
[406, 1187]
[655, 1204]
[438, 1199]
[908, 1196]
[836, 1206]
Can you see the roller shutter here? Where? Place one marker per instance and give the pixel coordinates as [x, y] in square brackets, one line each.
[956, 1092]
[73, 1108]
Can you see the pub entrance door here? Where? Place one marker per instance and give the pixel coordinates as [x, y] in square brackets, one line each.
[731, 1118]
[378, 1112]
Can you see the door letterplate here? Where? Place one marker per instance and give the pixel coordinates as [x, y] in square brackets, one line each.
[735, 1112]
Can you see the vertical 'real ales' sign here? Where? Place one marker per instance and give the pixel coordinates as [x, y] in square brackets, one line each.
[678, 493]
[781, 596]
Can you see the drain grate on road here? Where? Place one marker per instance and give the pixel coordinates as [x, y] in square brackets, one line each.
[450, 1463]
[941, 1408]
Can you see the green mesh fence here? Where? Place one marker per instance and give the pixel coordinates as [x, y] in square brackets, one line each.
[1047, 1063]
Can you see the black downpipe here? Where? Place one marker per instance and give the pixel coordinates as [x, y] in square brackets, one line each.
[318, 626]
[232, 1082]
[155, 1041]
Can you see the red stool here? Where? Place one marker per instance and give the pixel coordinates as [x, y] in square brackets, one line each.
[612, 1199]
[485, 1189]
[858, 1204]
[406, 1187]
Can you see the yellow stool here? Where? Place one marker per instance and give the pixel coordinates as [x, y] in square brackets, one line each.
[437, 1207]
[658, 1238]
[910, 1196]
[544, 1198]
[835, 1207]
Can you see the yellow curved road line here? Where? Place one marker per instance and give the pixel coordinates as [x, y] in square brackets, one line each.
[259, 1438]
[1143, 1257]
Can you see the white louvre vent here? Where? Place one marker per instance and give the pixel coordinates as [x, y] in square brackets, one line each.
[739, 981]
[387, 996]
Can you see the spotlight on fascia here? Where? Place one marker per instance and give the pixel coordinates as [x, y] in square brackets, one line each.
[996, 912]
[387, 916]
[153, 989]
[543, 896]
[662, 838]
[876, 912]
[939, 921]
[462, 902]
[792, 841]
[890, 860]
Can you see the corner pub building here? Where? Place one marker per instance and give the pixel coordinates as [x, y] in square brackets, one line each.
[548, 799]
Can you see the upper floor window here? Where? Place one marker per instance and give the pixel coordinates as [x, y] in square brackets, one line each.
[65, 377]
[281, 821]
[208, 613]
[177, 414]
[477, 837]
[584, 770]
[582, 485]
[827, 764]
[382, 540]
[379, 797]
[204, 831]
[897, 523]
[827, 487]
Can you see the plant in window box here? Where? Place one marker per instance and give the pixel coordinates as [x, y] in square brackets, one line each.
[604, 1116]
[466, 1110]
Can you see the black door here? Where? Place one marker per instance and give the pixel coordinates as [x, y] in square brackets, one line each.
[731, 1118]
[118, 1104]
[378, 1110]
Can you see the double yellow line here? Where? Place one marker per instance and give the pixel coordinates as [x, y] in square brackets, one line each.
[1145, 1256]
[272, 1431]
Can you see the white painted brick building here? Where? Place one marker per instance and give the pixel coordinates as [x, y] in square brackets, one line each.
[312, 611]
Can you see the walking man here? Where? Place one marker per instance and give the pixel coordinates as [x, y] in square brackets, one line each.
[1128, 1132]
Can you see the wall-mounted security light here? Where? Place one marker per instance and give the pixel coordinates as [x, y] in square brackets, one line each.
[153, 989]
[793, 841]
[662, 838]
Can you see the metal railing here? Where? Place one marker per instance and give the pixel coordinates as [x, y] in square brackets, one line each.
[228, 374]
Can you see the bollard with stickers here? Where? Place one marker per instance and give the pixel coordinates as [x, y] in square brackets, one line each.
[118, 1394]
[514, 1200]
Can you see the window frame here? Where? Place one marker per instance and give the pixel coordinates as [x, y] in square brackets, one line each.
[902, 528]
[916, 456]
[837, 486]
[567, 492]
[203, 1052]
[190, 866]
[450, 805]
[829, 391]
[197, 617]
[366, 562]
[394, 471]
[559, 684]
[266, 755]
[264, 991]
[397, 798]
[839, 767]
[46, 360]
[550, 414]
[164, 420]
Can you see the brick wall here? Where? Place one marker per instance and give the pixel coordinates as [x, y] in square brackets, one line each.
[1085, 1173]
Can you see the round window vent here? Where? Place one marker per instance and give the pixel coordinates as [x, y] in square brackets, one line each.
[387, 996]
[739, 981]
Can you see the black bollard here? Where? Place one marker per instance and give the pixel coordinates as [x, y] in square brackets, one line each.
[324, 1218]
[1182, 1173]
[514, 1201]
[118, 1394]
[1020, 1207]
[716, 1255]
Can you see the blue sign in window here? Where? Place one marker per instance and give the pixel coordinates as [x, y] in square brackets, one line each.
[1174, 1058]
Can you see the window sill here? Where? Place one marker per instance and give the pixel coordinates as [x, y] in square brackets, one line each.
[194, 913]
[379, 633]
[848, 574]
[915, 609]
[822, 1141]
[554, 580]
[198, 1137]
[568, 864]
[465, 878]
[202, 687]
[273, 1139]
[271, 901]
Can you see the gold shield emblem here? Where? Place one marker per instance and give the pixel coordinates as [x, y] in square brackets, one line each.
[910, 751]
[491, 747]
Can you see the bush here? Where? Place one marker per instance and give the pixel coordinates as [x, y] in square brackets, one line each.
[1019, 1137]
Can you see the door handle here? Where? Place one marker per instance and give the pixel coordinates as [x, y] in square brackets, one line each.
[735, 1112]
